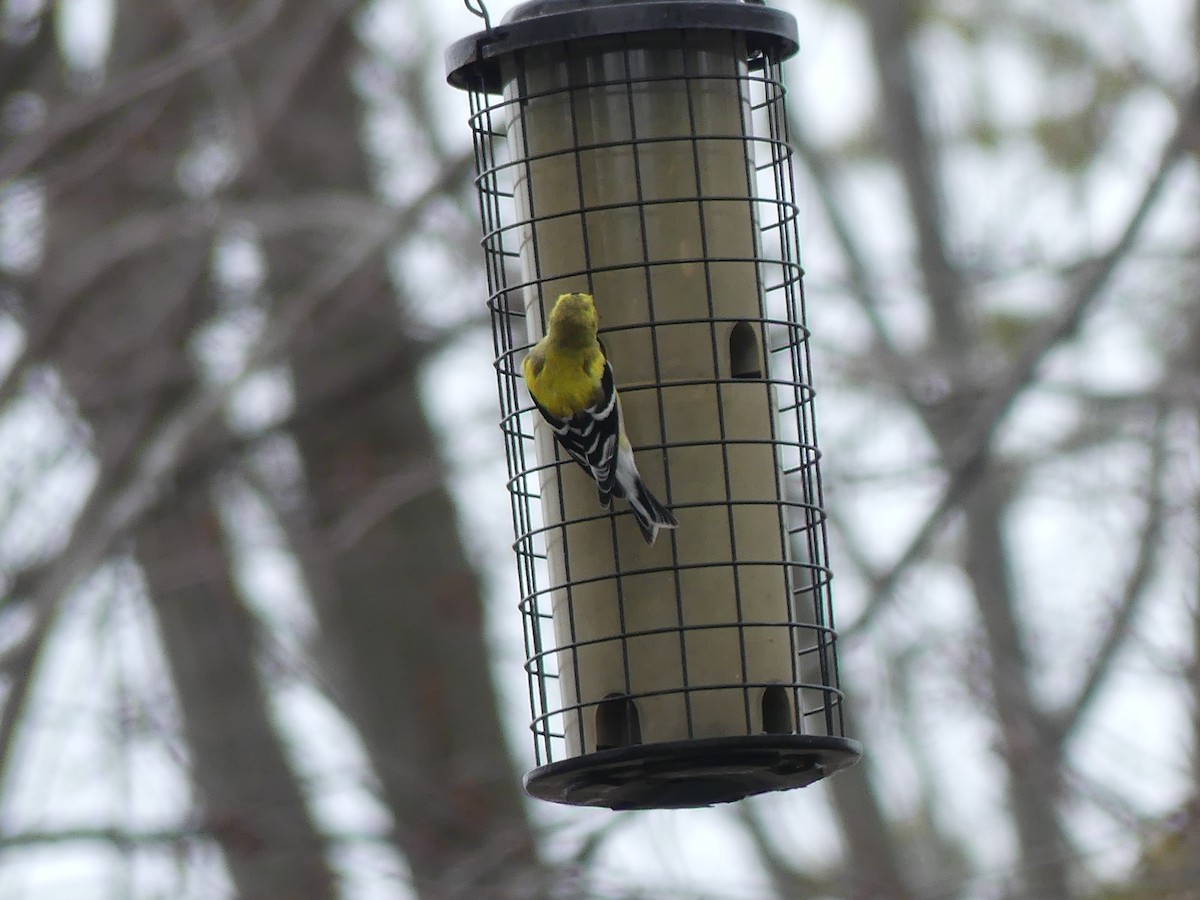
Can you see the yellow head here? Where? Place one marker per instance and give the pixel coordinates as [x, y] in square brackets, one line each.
[573, 320]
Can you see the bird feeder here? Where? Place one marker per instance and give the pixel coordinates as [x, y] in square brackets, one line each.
[638, 151]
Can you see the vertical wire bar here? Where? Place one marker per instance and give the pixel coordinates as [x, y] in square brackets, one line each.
[718, 381]
[817, 537]
[538, 282]
[746, 102]
[640, 195]
[526, 538]
[778, 198]
[785, 223]
[618, 581]
[491, 214]
[510, 423]
[487, 189]
[573, 95]
[544, 718]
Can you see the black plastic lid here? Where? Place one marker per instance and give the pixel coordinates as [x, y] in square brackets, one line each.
[691, 773]
[473, 62]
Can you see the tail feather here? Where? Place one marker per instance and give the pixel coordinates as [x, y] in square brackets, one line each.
[627, 484]
[651, 515]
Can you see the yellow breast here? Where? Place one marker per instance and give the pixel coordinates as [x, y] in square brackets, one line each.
[564, 382]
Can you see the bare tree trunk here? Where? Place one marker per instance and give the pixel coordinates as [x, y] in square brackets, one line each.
[1191, 850]
[119, 342]
[397, 600]
[1030, 751]
[252, 802]
[1030, 754]
[872, 859]
[403, 632]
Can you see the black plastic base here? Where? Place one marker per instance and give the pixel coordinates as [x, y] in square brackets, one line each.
[701, 772]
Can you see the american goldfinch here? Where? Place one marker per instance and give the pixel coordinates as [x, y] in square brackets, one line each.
[572, 386]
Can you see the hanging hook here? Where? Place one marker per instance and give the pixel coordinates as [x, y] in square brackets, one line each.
[479, 8]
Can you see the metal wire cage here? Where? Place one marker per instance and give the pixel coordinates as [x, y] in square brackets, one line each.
[639, 151]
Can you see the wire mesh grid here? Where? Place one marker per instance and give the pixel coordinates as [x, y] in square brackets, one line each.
[598, 686]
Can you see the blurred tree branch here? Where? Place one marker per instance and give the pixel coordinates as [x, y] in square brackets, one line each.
[967, 459]
[167, 447]
[1031, 752]
[150, 77]
[861, 285]
[787, 880]
[1133, 595]
[889, 23]
[126, 492]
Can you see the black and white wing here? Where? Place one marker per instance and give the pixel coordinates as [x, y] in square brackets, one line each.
[591, 437]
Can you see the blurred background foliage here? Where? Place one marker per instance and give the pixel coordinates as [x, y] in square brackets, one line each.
[258, 634]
